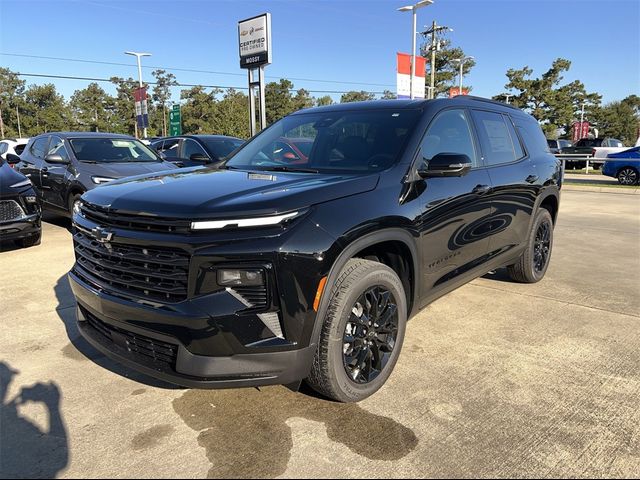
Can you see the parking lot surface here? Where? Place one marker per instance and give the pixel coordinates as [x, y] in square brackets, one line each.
[495, 379]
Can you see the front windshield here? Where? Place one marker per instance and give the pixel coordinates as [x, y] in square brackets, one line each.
[111, 150]
[327, 142]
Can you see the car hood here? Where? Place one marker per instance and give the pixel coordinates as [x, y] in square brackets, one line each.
[211, 193]
[8, 177]
[125, 169]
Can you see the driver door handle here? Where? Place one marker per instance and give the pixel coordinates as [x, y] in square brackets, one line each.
[481, 189]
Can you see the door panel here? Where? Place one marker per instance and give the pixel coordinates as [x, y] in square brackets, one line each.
[32, 159]
[455, 211]
[55, 176]
[513, 176]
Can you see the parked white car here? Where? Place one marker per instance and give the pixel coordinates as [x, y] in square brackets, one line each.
[12, 145]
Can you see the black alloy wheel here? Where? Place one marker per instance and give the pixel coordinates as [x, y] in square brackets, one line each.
[627, 176]
[370, 334]
[542, 247]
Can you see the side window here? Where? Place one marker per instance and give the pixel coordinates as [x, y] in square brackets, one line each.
[532, 136]
[497, 145]
[449, 133]
[191, 147]
[169, 147]
[57, 147]
[19, 148]
[517, 146]
[3, 148]
[39, 147]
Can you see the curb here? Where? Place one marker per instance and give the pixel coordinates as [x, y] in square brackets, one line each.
[588, 188]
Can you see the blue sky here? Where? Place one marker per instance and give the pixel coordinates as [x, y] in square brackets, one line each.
[331, 40]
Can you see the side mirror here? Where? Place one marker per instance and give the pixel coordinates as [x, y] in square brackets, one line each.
[446, 165]
[12, 158]
[199, 157]
[56, 158]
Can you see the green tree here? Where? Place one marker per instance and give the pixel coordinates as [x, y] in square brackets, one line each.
[92, 109]
[325, 100]
[232, 115]
[198, 110]
[555, 106]
[278, 99]
[11, 97]
[301, 100]
[354, 96]
[446, 68]
[44, 110]
[161, 94]
[124, 110]
[620, 120]
[388, 95]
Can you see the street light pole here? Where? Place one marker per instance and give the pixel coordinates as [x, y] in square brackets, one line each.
[507, 96]
[413, 9]
[138, 55]
[461, 61]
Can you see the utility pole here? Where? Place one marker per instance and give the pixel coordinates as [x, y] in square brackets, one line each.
[1, 125]
[435, 46]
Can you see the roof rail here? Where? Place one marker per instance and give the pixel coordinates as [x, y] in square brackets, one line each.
[488, 100]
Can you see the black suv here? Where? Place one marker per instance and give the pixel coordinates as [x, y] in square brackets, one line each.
[268, 271]
[64, 165]
[196, 150]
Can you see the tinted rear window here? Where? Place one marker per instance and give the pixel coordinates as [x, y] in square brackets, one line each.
[221, 147]
[532, 135]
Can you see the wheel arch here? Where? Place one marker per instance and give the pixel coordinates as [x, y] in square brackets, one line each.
[371, 245]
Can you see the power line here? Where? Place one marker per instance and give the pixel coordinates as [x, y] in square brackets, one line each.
[190, 70]
[93, 79]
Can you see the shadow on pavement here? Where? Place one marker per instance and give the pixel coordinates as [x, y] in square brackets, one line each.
[58, 220]
[26, 450]
[246, 433]
[499, 275]
[79, 349]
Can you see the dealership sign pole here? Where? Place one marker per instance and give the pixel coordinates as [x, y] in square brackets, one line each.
[254, 46]
[405, 88]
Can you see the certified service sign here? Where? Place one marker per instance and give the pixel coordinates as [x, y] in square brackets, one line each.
[254, 35]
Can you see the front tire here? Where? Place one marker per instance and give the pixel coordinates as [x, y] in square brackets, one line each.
[73, 199]
[362, 334]
[627, 176]
[532, 264]
[30, 241]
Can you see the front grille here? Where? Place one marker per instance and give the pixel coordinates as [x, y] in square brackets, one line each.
[133, 342]
[256, 296]
[131, 270]
[104, 217]
[10, 210]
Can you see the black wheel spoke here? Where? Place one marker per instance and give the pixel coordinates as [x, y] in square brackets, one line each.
[370, 334]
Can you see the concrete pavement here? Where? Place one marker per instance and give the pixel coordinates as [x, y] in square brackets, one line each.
[495, 379]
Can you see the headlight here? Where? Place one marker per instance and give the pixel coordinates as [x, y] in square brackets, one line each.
[236, 277]
[24, 183]
[101, 180]
[242, 222]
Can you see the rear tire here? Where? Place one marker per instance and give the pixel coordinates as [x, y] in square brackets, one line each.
[532, 264]
[628, 176]
[356, 354]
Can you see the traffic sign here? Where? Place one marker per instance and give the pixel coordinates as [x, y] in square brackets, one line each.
[175, 121]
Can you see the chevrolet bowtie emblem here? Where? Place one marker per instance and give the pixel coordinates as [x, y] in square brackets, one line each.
[102, 235]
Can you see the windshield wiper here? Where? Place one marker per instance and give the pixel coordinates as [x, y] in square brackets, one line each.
[285, 168]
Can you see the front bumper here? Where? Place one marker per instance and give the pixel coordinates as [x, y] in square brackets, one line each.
[20, 228]
[166, 357]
